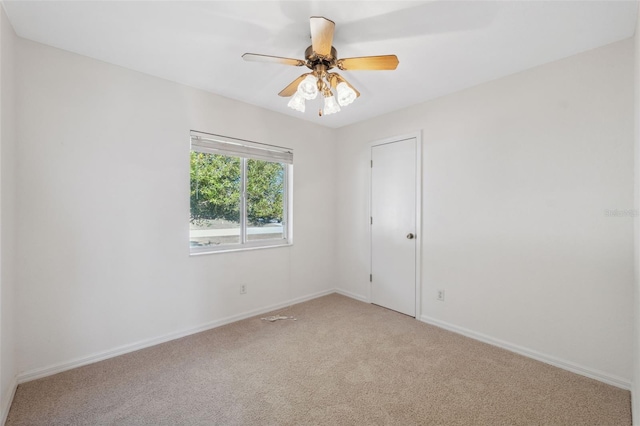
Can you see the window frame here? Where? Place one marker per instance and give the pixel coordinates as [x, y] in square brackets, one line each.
[232, 147]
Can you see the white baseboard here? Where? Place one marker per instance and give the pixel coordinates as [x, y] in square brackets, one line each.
[635, 404]
[547, 359]
[351, 295]
[635, 408]
[6, 405]
[121, 350]
[39, 373]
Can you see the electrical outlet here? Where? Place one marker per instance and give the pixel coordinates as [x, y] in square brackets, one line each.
[243, 289]
[441, 295]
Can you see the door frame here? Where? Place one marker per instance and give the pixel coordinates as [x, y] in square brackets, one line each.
[418, 231]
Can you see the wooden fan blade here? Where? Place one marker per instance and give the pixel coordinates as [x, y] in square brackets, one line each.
[321, 35]
[254, 57]
[385, 62]
[291, 88]
[337, 78]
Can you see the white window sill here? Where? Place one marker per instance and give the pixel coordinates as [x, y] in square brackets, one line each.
[231, 249]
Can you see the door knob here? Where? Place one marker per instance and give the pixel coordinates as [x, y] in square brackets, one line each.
[410, 236]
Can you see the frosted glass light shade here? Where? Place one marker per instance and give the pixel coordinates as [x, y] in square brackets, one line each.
[308, 88]
[296, 102]
[346, 94]
[330, 105]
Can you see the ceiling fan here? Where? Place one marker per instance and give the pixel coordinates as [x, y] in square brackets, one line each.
[321, 57]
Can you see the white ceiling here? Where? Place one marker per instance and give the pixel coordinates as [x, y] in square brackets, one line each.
[443, 46]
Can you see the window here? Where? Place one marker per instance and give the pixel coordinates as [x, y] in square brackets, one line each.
[240, 194]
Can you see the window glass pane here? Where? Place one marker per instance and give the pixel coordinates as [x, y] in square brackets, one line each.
[215, 199]
[265, 200]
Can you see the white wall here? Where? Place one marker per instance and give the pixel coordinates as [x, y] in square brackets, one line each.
[8, 365]
[104, 205]
[518, 174]
[635, 391]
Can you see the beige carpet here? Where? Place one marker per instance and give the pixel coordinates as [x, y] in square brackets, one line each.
[341, 362]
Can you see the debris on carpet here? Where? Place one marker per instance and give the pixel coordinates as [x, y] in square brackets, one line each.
[275, 318]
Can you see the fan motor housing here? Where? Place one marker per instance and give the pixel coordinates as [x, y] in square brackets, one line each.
[314, 59]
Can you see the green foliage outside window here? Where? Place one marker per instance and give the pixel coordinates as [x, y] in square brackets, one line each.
[216, 186]
[265, 188]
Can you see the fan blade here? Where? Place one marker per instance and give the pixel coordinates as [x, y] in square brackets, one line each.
[291, 88]
[337, 78]
[254, 57]
[321, 35]
[385, 62]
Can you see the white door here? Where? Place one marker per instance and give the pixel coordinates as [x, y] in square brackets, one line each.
[393, 225]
